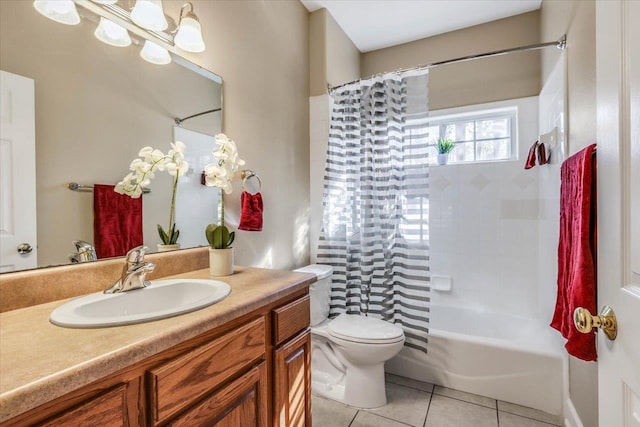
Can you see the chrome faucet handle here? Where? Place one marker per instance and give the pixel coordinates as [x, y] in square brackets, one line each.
[136, 255]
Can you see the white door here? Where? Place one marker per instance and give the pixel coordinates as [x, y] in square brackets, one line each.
[618, 97]
[196, 204]
[17, 173]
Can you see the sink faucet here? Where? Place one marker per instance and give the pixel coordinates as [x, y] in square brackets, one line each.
[133, 272]
[84, 252]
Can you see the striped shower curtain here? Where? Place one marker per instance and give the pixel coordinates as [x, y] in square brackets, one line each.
[376, 202]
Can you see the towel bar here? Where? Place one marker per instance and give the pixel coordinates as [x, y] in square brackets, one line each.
[74, 186]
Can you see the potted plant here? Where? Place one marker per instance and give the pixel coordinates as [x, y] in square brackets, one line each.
[445, 146]
[143, 170]
[219, 174]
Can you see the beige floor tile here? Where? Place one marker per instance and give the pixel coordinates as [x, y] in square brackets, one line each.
[467, 397]
[404, 404]
[328, 413]
[529, 413]
[409, 382]
[367, 419]
[447, 412]
[511, 420]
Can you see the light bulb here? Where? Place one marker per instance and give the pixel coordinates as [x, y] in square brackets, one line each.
[149, 15]
[62, 11]
[189, 36]
[155, 54]
[112, 34]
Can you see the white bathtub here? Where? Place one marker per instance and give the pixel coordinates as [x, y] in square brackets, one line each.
[509, 358]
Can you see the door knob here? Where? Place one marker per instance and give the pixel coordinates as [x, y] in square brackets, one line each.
[584, 321]
[24, 248]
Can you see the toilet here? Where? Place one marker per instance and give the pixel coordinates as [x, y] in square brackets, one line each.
[348, 352]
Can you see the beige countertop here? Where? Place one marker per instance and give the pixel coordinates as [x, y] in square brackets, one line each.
[40, 362]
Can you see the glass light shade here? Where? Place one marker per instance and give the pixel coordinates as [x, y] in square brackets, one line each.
[112, 34]
[149, 15]
[62, 11]
[189, 36]
[105, 1]
[155, 54]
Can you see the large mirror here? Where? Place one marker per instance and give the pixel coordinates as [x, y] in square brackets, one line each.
[96, 106]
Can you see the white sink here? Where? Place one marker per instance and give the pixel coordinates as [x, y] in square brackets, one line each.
[161, 299]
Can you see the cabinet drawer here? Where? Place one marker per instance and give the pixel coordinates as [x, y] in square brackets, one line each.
[241, 403]
[290, 319]
[107, 409]
[182, 381]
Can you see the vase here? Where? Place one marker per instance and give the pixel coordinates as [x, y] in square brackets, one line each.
[166, 248]
[220, 262]
[443, 158]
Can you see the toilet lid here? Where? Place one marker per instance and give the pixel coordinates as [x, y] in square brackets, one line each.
[364, 329]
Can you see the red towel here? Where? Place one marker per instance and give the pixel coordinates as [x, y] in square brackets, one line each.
[251, 214]
[117, 222]
[576, 251]
[531, 158]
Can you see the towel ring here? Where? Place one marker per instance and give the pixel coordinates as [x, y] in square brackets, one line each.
[248, 174]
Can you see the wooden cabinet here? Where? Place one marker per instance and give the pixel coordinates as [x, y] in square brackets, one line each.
[235, 375]
[182, 381]
[292, 364]
[242, 403]
[107, 409]
[292, 378]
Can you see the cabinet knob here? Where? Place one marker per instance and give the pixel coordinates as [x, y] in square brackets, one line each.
[24, 248]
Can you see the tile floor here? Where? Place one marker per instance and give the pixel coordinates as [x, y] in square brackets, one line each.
[418, 404]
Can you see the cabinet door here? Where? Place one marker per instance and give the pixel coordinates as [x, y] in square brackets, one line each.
[241, 403]
[292, 382]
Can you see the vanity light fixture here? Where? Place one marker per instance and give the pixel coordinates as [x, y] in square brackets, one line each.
[149, 15]
[189, 32]
[112, 34]
[155, 54]
[62, 11]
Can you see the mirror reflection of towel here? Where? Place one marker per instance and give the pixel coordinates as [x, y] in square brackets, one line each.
[251, 212]
[117, 222]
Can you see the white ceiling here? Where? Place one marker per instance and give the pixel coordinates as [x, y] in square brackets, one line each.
[374, 24]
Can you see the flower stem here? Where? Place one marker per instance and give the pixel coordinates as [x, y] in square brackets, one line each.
[221, 207]
[173, 208]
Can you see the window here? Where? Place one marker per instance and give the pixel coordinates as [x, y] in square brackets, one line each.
[479, 136]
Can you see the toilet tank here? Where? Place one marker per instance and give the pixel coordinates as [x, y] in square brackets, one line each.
[320, 291]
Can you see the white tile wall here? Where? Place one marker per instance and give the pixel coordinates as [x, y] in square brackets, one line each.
[551, 114]
[484, 228]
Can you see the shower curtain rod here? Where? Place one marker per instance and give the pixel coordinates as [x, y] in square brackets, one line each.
[179, 120]
[561, 44]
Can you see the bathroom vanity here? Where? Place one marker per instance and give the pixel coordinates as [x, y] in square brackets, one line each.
[244, 361]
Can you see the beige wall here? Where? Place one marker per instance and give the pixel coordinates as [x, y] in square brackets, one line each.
[261, 50]
[334, 59]
[577, 20]
[485, 80]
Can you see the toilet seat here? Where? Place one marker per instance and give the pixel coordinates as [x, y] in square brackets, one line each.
[361, 329]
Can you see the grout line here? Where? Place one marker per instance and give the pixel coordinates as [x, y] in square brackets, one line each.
[529, 418]
[390, 419]
[353, 419]
[465, 401]
[413, 388]
[428, 408]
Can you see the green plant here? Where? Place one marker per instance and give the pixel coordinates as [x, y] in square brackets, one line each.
[445, 146]
[219, 236]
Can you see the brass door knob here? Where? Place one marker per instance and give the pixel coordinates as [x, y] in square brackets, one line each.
[585, 321]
